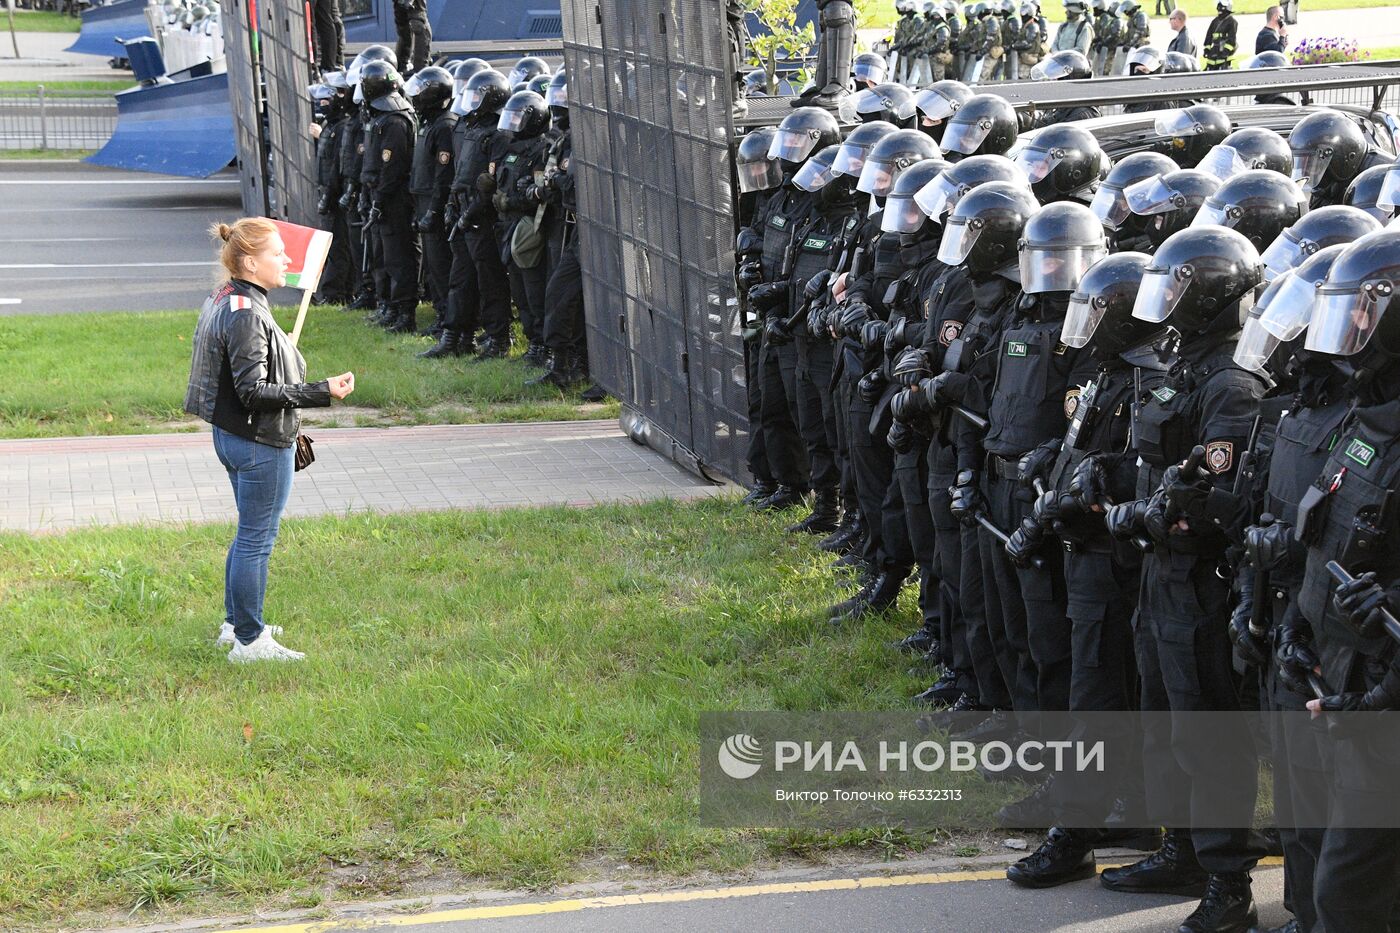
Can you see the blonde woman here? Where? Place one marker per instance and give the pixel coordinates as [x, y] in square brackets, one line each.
[247, 380]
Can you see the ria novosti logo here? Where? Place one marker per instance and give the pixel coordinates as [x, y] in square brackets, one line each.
[741, 756]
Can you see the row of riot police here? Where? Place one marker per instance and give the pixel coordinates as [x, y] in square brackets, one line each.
[1116, 420]
[455, 187]
[995, 40]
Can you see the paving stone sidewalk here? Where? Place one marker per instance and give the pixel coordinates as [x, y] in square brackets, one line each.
[59, 484]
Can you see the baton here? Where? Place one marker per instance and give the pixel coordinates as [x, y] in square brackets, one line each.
[970, 416]
[1388, 620]
[1037, 562]
[1261, 588]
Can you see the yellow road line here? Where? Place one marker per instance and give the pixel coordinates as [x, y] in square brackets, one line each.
[540, 908]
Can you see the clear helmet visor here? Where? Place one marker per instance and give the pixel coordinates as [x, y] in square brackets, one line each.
[966, 137]
[1177, 123]
[877, 178]
[1110, 206]
[1283, 255]
[413, 87]
[1256, 345]
[1286, 307]
[934, 106]
[760, 176]
[1344, 320]
[359, 95]
[471, 100]
[511, 121]
[958, 240]
[1223, 162]
[902, 215]
[1082, 319]
[1389, 195]
[938, 197]
[1213, 213]
[792, 145]
[1159, 294]
[813, 175]
[459, 104]
[1056, 270]
[1048, 69]
[1309, 168]
[1035, 164]
[558, 95]
[869, 70]
[516, 76]
[849, 160]
[1152, 196]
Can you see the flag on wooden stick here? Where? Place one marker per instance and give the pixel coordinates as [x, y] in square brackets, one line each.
[307, 249]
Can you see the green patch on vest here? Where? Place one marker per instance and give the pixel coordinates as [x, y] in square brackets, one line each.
[1016, 348]
[1360, 451]
[1164, 395]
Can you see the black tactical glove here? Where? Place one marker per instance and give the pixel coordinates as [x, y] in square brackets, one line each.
[373, 215]
[428, 222]
[1024, 542]
[901, 437]
[1154, 517]
[967, 501]
[1186, 491]
[1125, 520]
[872, 335]
[817, 284]
[1296, 658]
[1035, 464]
[1089, 484]
[871, 387]
[1268, 546]
[775, 332]
[364, 202]
[486, 183]
[1361, 603]
[897, 337]
[910, 406]
[766, 296]
[1254, 649]
[347, 198]
[451, 215]
[323, 203]
[854, 318]
[1384, 696]
[945, 388]
[817, 320]
[1047, 510]
[748, 274]
[911, 366]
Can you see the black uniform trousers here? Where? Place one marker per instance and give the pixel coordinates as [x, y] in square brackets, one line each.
[341, 274]
[373, 235]
[492, 284]
[896, 554]
[463, 290]
[415, 35]
[564, 324]
[1184, 660]
[778, 401]
[841, 404]
[527, 288]
[330, 35]
[437, 259]
[402, 254]
[1358, 870]
[816, 412]
[911, 475]
[872, 462]
[756, 454]
[947, 564]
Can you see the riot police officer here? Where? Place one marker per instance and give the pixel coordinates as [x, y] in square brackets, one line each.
[1029, 45]
[430, 91]
[937, 103]
[1076, 32]
[902, 44]
[385, 179]
[1195, 283]
[1063, 162]
[1258, 203]
[364, 241]
[1145, 60]
[1126, 230]
[1190, 133]
[984, 125]
[1066, 65]
[414, 33]
[1134, 34]
[519, 154]
[1108, 32]
[341, 272]
[1329, 150]
[1170, 202]
[478, 289]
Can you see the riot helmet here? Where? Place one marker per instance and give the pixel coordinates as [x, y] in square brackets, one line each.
[816, 171]
[943, 193]
[1284, 310]
[1063, 161]
[1144, 61]
[526, 115]
[1190, 133]
[1175, 63]
[1328, 149]
[868, 69]
[857, 145]
[756, 83]
[902, 214]
[1326, 226]
[1251, 147]
[379, 79]
[525, 69]
[756, 171]
[486, 93]
[803, 132]
[1225, 6]
[336, 80]
[984, 125]
[891, 103]
[1257, 203]
[558, 91]
[1101, 307]
[1200, 281]
[1074, 9]
[1350, 313]
[430, 90]
[1366, 190]
[1064, 65]
[937, 103]
[1059, 242]
[539, 84]
[890, 157]
[1265, 60]
[464, 69]
[1170, 202]
[1110, 204]
[373, 53]
[982, 231]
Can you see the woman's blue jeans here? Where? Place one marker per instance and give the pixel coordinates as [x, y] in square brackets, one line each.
[262, 480]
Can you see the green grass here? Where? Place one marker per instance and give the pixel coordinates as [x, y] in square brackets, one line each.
[55, 154]
[112, 85]
[126, 374]
[41, 21]
[492, 697]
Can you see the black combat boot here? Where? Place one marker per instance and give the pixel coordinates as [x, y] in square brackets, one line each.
[1032, 810]
[876, 596]
[761, 489]
[1067, 855]
[783, 497]
[535, 354]
[361, 301]
[546, 378]
[999, 725]
[447, 345]
[944, 692]
[1172, 869]
[491, 349]
[405, 322]
[917, 642]
[826, 511]
[383, 314]
[1228, 906]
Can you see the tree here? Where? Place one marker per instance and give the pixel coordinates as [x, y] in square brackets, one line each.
[783, 37]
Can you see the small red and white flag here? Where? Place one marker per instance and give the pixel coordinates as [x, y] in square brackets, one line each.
[307, 248]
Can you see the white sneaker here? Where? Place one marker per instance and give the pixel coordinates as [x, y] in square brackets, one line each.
[226, 634]
[263, 648]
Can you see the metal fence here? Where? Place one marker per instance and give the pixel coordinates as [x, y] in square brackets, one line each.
[47, 119]
[650, 110]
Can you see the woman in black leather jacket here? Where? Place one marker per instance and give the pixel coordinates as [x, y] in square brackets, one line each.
[247, 380]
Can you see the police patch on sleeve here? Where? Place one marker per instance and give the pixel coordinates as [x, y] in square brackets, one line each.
[1071, 402]
[444, 157]
[386, 155]
[949, 332]
[1220, 456]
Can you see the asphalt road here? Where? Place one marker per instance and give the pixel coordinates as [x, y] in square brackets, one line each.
[947, 902]
[79, 238]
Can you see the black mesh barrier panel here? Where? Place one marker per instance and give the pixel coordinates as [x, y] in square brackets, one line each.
[650, 109]
[269, 69]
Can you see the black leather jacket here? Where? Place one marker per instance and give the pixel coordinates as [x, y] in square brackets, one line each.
[245, 375]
